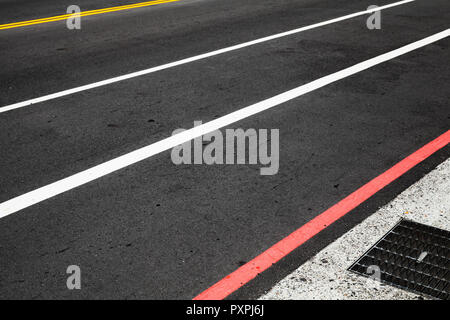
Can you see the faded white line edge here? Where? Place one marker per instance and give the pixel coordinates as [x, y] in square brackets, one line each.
[191, 59]
[325, 276]
[28, 199]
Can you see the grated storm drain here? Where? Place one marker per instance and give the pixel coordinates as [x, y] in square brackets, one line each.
[411, 256]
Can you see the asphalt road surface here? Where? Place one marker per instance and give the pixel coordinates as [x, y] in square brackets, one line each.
[156, 230]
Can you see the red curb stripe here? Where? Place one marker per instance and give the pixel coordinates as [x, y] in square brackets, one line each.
[265, 260]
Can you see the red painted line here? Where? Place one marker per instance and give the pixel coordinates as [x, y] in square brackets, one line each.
[265, 260]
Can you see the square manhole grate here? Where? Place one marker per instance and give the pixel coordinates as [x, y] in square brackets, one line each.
[411, 256]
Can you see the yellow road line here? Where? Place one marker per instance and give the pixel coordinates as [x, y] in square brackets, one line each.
[83, 14]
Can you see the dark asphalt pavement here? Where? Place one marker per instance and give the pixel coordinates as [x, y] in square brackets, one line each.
[158, 231]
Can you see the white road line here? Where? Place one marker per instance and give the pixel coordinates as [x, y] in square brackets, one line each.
[192, 59]
[58, 187]
[325, 276]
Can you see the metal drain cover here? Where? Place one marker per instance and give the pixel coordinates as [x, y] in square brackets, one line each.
[411, 256]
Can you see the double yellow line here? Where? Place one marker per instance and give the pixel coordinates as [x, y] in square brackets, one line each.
[83, 14]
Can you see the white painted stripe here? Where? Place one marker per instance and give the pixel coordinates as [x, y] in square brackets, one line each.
[192, 59]
[51, 190]
[325, 275]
